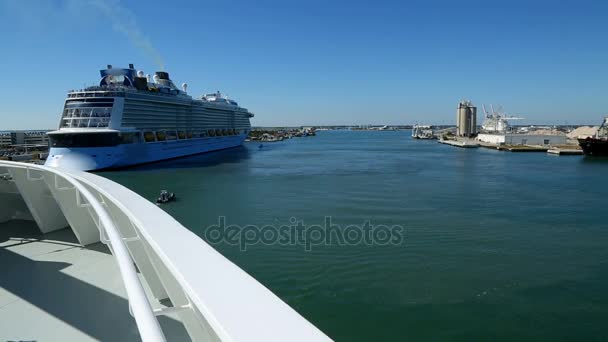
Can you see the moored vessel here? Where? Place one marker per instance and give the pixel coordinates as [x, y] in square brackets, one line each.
[423, 132]
[131, 119]
[596, 145]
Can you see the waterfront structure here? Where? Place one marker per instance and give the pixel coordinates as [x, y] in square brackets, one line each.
[596, 145]
[465, 143]
[496, 121]
[522, 139]
[107, 264]
[21, 137]
[466, 119]
[130, 119]
[496, 130]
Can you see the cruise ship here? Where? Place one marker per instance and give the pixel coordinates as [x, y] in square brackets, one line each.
[131, 119]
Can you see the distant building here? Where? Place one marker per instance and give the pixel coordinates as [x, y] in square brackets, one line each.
[11, 138]
[35, 138]
[466, 119]
[5, 139]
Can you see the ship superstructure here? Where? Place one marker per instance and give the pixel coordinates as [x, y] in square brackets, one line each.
[131, 119]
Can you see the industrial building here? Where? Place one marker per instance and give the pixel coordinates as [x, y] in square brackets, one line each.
[466, 119]
[522, 139]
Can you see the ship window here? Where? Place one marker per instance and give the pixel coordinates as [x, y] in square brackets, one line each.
[160, 136]
[114, 79]
[86, 117]
[99, 122]
[171, 135]
[181, 134]
[84, 140]
[546, 141]
[149, 136]
[211, 133]
[129, 138]
[189, 135]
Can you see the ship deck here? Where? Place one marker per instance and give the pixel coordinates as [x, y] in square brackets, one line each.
[53, 289]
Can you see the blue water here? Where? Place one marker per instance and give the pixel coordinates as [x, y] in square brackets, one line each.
[496, 245]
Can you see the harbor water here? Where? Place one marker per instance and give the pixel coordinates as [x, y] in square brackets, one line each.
[495, 246]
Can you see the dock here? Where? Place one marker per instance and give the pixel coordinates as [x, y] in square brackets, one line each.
[555, 150]
[459, 143]
[565, 152]
[522, 148]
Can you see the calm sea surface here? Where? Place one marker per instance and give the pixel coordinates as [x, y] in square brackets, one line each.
[496, 246]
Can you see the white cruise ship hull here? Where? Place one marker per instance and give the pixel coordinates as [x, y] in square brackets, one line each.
[97, 158]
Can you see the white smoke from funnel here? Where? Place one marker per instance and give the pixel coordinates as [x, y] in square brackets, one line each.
[123, 21]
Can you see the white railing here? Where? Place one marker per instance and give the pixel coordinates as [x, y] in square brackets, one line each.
[147, 324]
[213, 298]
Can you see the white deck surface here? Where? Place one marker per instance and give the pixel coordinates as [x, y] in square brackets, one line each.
[52, 289]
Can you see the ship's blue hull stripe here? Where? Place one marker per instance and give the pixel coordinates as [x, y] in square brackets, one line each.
[94, 158]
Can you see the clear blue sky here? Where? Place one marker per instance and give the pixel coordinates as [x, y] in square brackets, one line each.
[318, 62]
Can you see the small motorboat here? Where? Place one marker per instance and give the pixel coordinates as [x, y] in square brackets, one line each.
[165, 197]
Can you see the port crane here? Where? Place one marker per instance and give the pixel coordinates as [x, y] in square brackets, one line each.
[497, 120]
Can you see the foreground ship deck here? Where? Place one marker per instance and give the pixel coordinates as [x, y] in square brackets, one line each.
[160, 282]
[53, 289]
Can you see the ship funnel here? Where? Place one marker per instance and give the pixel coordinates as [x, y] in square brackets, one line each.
[163, 75]
[131, 66]
[185, 87]
[109, 66]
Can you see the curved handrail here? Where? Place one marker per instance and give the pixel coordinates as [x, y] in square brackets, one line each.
[217, 301]
[147, 324]
[237, 307]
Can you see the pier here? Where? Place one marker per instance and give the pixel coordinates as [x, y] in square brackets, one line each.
[565, 151]
[522, 148]
[460, 143]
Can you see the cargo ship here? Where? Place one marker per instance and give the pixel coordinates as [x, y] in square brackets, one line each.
[130, 119]
[596, 145]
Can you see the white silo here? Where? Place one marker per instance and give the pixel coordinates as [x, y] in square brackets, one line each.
[466, 120]
[473, 120]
